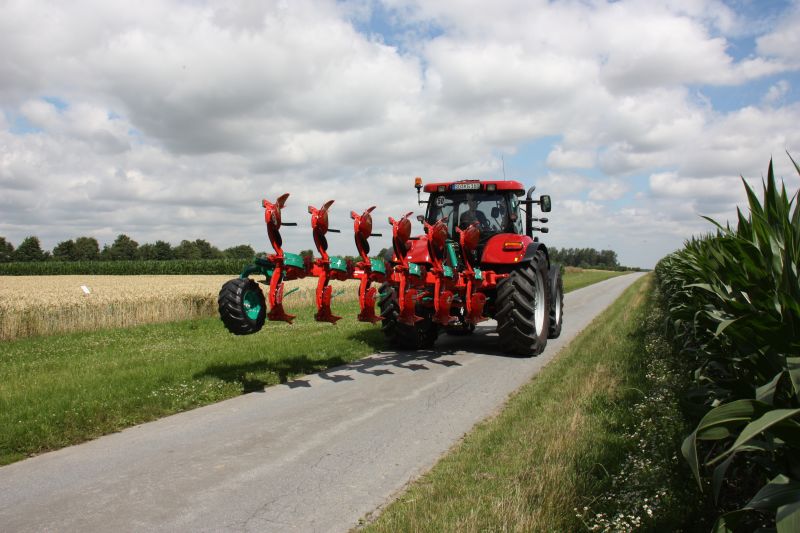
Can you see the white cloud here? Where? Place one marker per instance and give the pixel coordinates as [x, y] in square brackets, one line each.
[563, 158]
[783, 41]
[776, 92]
[179, 117]
[608, 190]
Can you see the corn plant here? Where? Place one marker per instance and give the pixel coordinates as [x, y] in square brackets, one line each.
[734, 301]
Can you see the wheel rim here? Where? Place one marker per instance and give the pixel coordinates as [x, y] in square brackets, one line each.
[252, 305]
[538, 304]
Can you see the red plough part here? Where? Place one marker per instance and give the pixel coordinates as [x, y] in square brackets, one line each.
[280, 266]
[362, 228]
[281, 271]
[407, 293]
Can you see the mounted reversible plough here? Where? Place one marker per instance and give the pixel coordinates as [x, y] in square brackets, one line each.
[473, 262]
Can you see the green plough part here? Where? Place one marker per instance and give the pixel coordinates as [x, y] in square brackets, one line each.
[260, 266]
[337, 263]
[377, 265]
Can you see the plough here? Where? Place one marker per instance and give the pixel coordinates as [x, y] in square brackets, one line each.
[470, 264]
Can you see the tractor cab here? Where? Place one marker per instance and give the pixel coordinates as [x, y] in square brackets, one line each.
[491, 212]
[494, 211]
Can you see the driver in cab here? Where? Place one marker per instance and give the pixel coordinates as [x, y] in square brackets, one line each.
[472, 215]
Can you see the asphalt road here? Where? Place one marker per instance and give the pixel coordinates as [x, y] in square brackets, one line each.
[316, 454]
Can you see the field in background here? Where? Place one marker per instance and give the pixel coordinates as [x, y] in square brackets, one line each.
[39, 305]
[31, 306]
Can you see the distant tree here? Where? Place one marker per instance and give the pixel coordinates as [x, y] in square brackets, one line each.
[163, 250]
[206, 250]
[86, 249]
[30, 250]
[160, 251]
[385, 253]
[306, 253]
[242, 251]
[585, 257]
[187, 250]
[64, 251]
[6, 251]
[123, 249]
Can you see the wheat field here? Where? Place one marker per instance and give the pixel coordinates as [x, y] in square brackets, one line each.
[44, 305]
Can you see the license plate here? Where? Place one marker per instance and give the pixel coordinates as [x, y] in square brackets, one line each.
[465, 186]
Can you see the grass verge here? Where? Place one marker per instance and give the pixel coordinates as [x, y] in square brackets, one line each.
[578, 278]
[573, 450]
[61, 390]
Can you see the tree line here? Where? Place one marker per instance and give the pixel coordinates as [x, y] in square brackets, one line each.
[126, 249]
[586, 258]
[122, 249]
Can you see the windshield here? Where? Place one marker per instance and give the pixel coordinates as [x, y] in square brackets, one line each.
[490, 209]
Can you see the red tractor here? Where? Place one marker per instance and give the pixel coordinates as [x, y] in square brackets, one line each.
[473, 262]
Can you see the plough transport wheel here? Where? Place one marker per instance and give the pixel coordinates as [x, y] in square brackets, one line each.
[523, 314]
[242, 306]
[397, 334]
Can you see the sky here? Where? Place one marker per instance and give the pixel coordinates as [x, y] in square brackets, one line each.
[171, 120]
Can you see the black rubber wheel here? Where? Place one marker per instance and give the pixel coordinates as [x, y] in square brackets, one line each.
[397, 334]
[523, 313]
[242, 306]
[556, 302]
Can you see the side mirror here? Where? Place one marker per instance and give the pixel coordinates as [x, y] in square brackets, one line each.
[421, 218]
[495, 212]
[544, 203]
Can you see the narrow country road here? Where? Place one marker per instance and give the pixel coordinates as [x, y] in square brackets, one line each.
[316, 454]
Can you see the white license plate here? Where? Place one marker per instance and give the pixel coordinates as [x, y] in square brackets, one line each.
[466, 186]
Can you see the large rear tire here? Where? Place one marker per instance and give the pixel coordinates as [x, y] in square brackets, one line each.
[556, 302]
[523, 314]
[242, 306]
[422, 335]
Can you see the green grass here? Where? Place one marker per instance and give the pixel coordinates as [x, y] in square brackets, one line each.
[577, 280]
[61, 390]
[561, 443]
[64, 389]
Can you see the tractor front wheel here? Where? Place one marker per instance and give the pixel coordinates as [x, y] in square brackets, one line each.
[523, 314]
[421, 335]
[242, 306]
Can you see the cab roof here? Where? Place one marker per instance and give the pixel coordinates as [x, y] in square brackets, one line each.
[477, 185]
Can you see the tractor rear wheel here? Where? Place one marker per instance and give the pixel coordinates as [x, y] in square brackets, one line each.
[556, 302]
[242, 306]
[422, 335]
[523, 314]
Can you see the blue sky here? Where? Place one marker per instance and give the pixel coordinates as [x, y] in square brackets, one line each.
[172, 120]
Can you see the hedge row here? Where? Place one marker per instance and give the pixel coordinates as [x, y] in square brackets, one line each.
[125, 268]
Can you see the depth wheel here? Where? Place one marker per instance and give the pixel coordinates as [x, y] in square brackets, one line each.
[523, 314]
[421, 335]
[556, 302]
[242, 306]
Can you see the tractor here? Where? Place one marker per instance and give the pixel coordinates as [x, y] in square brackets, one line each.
[473, 261]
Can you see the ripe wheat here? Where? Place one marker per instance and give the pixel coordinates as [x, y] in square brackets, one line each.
[39, 305]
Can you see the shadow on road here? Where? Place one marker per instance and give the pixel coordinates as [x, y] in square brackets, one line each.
[255, 376]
